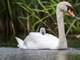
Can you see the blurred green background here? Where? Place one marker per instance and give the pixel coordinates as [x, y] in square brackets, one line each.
[19, 17]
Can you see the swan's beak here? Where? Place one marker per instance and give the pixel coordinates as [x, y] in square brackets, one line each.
[71, 13]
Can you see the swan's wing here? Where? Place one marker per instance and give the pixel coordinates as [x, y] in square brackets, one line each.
[33, 36]
[33, 40]
[36, 40]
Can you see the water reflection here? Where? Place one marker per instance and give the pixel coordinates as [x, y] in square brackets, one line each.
[61, 56]
[20, 54]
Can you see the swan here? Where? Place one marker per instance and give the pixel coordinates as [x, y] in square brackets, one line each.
[43, 40]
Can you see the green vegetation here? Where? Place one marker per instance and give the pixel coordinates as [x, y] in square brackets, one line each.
[19, 17]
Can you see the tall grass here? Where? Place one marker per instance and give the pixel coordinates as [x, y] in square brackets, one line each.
[37, 12]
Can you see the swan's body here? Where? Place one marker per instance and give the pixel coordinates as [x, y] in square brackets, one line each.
[39, 40]
[43, 40]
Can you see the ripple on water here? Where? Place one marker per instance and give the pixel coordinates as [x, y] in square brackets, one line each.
[22, 54]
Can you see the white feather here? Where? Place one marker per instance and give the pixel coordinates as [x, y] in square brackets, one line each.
[20, 43]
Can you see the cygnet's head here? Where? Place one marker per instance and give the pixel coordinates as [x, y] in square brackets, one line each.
[66, 7]
[42, 31]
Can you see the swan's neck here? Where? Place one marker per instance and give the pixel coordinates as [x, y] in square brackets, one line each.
[61, 29]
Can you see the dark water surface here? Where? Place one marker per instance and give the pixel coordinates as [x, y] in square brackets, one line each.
[21, 54]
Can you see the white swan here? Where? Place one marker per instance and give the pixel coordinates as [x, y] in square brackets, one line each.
[43, 40]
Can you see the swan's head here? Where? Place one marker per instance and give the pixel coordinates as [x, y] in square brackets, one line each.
[66, 7]
[42, 31]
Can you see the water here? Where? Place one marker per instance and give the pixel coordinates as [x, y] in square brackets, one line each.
[21, 54]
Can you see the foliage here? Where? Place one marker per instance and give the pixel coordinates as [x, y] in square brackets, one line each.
[38, 11]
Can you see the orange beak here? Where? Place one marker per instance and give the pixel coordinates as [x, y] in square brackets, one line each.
[71, 13]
